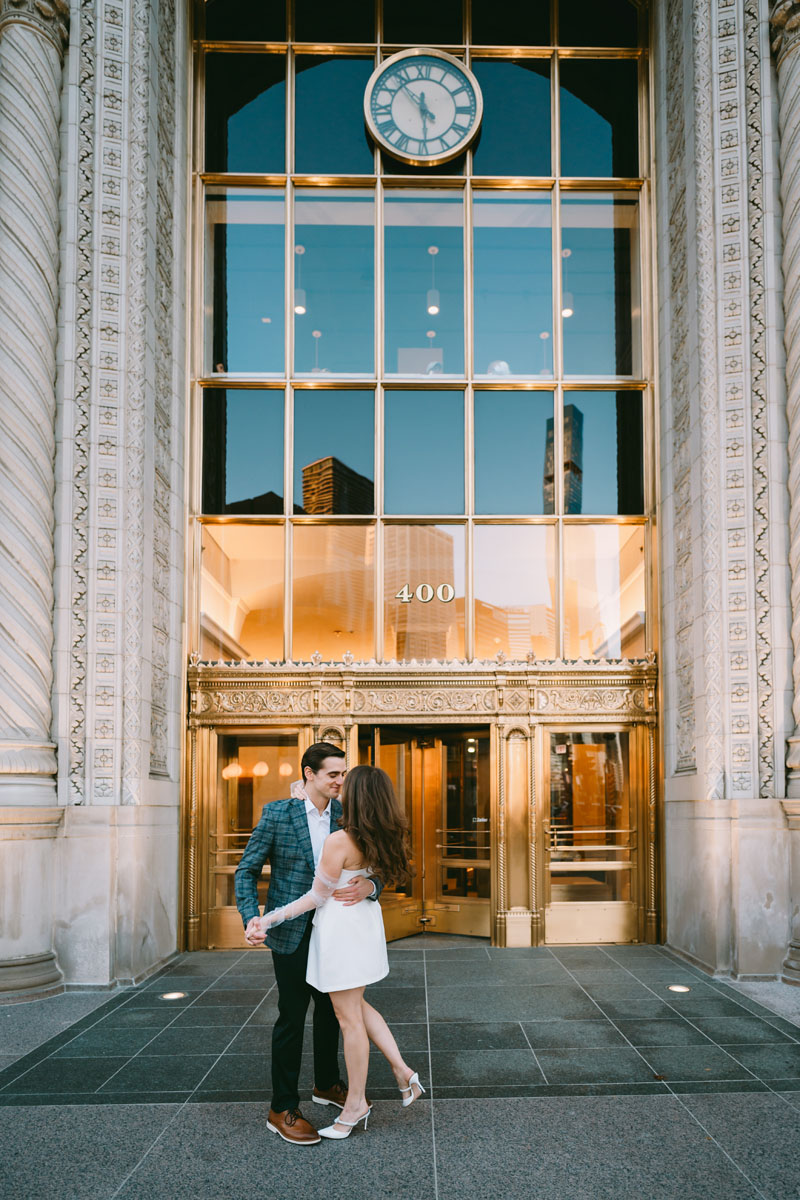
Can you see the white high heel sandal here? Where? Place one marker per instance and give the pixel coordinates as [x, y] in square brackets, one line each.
[330, 1131]
[412, 1083]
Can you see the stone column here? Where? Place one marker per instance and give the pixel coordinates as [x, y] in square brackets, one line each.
[791, 964]
[33, 36]
[785, 27]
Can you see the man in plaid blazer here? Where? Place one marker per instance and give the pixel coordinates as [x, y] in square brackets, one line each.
[289, 836]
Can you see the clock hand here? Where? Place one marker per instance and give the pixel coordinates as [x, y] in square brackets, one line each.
[426, 112]
[420, 103]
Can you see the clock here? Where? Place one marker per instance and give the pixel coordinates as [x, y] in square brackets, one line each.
[423, 106]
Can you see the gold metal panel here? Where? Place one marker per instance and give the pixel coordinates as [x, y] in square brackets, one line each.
[577, 924]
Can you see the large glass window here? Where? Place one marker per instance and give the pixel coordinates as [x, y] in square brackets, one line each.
[350, 22]
[515, 591]
[329, 119]
[244, 282]
[245, 112]
[425, 438]
[587, 23]
[514, 452]
[512, 267]
[423, 394]
[245, 21]
[243, 451]
[424, 580]
[424, 282]
[334, 258]
[603, 452]
[604, 591]
[241, 592]
[333, 596]
[415, 22]
[601, 297]
[599, 117]
[334, 462]
[515, 133]
[510, 24]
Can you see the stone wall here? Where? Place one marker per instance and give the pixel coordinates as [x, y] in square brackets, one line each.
[119, 401]
[726, 653]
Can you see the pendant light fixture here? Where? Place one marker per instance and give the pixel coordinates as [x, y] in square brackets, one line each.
[299, 293]
[433, 300]
[567, 299]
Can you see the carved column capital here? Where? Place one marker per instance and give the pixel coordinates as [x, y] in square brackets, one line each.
[784, 23]
[50, 18]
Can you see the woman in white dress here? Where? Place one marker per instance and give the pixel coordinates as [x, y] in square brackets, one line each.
[348, 944]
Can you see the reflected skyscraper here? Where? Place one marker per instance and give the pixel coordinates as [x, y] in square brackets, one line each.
[573, 462]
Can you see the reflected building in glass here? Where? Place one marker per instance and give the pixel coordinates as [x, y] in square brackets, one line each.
[425, 393]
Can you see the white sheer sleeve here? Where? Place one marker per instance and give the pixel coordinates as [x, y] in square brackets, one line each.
[321, 889]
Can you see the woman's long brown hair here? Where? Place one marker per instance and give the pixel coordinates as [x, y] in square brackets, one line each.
[372, 816]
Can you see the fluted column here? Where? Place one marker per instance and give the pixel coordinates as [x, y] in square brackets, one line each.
[33, 36]
[785, 27]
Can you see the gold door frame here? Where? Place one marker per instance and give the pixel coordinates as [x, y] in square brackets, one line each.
[425, 908]
[515, 700]
[634, 921]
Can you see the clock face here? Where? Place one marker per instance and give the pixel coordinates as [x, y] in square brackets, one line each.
[423, 106]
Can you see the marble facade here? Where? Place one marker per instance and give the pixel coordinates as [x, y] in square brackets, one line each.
[94, 230]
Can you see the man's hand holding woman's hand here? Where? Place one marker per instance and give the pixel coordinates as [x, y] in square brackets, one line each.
[256, 932]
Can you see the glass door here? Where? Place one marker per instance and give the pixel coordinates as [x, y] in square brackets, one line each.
[443, 778]
[252, 770]
[591, 837]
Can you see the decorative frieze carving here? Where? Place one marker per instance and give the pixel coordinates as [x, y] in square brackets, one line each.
[423, 700]
[677, 398]
[74, 449]
[168, 405]
[763, 551]
[252, 702]
[633, 701]
[220, 692]
[711, 617]
[119, 507]
[722, 497]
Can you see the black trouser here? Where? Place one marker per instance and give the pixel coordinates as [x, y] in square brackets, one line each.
[287, 1034]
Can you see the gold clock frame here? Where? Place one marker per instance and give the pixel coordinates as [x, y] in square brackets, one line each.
[410, 159]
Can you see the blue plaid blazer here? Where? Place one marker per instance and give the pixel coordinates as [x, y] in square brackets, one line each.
[281, 837]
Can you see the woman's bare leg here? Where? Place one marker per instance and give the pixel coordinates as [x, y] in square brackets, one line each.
[349, 1012]
[381, 1035]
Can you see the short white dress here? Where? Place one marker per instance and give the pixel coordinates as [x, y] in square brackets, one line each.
[348, 943]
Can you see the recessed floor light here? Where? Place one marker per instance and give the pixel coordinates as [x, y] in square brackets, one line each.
[678, 987]
[173, 996]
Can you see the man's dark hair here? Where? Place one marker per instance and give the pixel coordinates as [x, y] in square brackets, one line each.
[315, 756]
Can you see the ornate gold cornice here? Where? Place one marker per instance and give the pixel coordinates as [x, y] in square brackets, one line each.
[255, 693]
[785, 27]
[50, 18]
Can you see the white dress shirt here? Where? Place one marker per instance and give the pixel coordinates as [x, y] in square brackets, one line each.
[319, 826]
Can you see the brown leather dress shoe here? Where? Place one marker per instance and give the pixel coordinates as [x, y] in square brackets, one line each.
[292, 1126]
[336, 1095]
